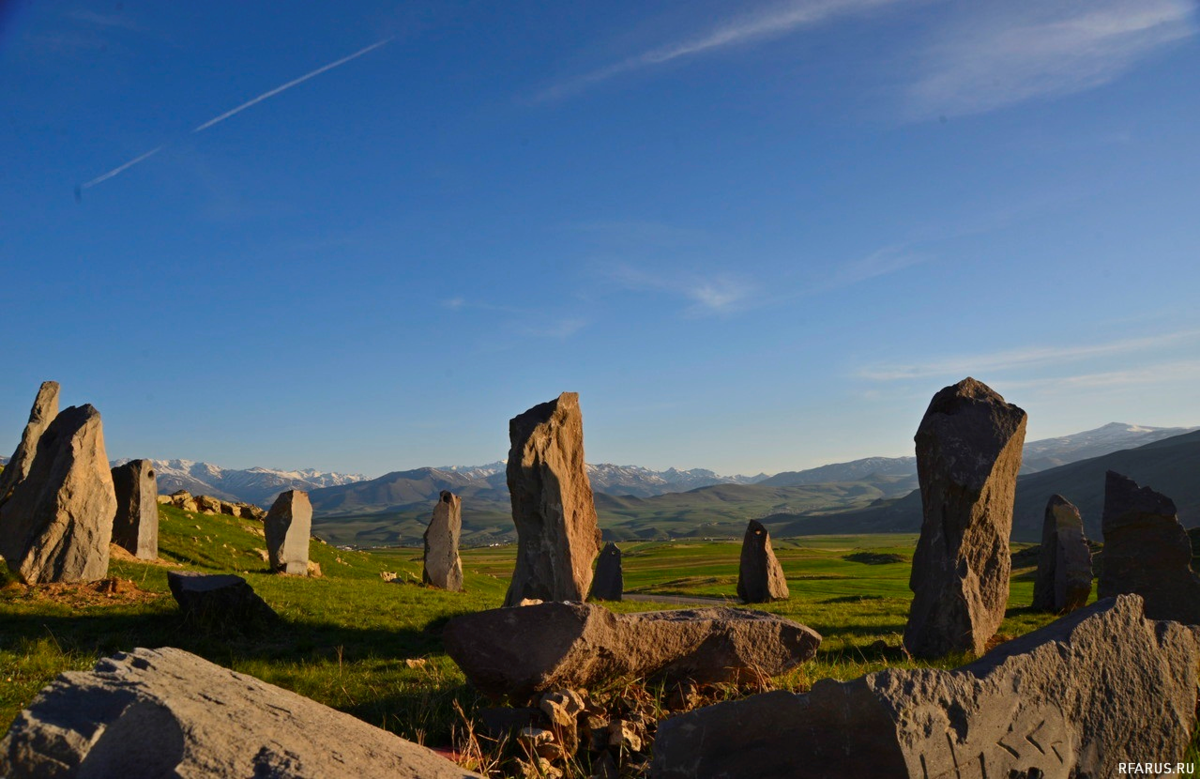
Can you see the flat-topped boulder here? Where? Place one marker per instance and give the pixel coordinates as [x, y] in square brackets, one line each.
[609, 581]
[166, 712]
[552, 503]
[288, 527]
[521, 651]
[968, 454]
[45, 409]
[1097, 688]
[1147, 551]
[442, 566]
[135, 525]
[1064, 574]
[219, 600]
[56, 525]
[760, 577]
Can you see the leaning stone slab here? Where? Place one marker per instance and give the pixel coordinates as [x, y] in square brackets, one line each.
[45, 409]
[288, 527]
[443, 567]
[135, 526]
[1147, 551]
[219, 600]
[552, 503]
[523, 651]
[968, 454]
[57, 524]
[1064, 573]
[760, 577]
[609, 582]
[1099, 687]
[168, 713]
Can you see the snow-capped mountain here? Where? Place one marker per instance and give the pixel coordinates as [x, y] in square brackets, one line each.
[253, 485]
[613, 479]
[1052, 452]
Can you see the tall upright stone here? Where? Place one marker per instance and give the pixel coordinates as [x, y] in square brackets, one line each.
[968, 454]
[760, 577]
[288, 526]
[443, 568]
[135, 526]
[1064, 574]
[609, 583]
[552, 503]
[57, 523]
[1147, 551]
[45, 409]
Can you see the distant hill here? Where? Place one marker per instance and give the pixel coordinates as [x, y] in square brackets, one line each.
[856, 470]
[1113, 437]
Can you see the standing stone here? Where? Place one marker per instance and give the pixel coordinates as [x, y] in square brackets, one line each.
[1064, 574]
[57, 524]
[443, 568]
[45, 409]
[553, 508]
[968, 454]
[1147, 551]
[135, 527]
[760, 578]
[288, 526]
[609, 583]
[219, 600]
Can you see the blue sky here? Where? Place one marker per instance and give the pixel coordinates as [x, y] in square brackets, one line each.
[754, 236]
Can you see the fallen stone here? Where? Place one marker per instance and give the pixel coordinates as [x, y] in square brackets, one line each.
[45, 409]
[164, 499]
[1063, 701]
[552, 503]
[968, 454]
[229, 509]
[208, 505]
[524, 651]
[288, 527]
[609, 582]
[165, 712]
[219, 600]
[1064, 574]
[443, 568]
[135, 525]
[56, 525]
[760, 577]
[1147, 551]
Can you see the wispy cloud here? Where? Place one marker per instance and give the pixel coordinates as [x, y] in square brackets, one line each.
[1000, 54]
[719, 293]
[559, 329]
[1023, 358]
[882, 262]
[773, 21]
[1156, 374]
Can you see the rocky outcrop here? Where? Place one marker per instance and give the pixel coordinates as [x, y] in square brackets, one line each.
[218, 600]
[165, 712]
[203, 504]
[1147, 551]
[45, 409]
[531, 649]
[552, 504]
[760, 577]
[968, 454]
[57, 524]
[443, 568]
[609, 582]
[288, 527]
[1064, 574]
[135, 525]
[208, 505]
[1063, 701]
[183, 499]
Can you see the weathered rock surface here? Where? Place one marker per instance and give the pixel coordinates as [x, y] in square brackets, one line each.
[443, 568]
[165, 712]
[552, 503]
[57, 523]
[208, 505]
[45, 409]
[183, 499]
[1147, 551]
[1064, 701]
[760, 577]
[288, 526]
[135, 525]
[609, 582]
[523, 651]
[219, 600]
[1064, 574]
[968, 454]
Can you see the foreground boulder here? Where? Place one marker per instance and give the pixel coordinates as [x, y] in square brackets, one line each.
[1147, 551]
[45, 409]
[219, 600]
[1064, 573]
[288, 527]
[968, 454]
[443, 568]
[609, 582]
[57, 523]
[760, 577]
[1063, 701]
[552, 504]
[165, 712]
[135, 526]
[526, 650]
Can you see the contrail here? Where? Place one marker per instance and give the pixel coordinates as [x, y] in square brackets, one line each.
[121, 169]
[290, 84]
